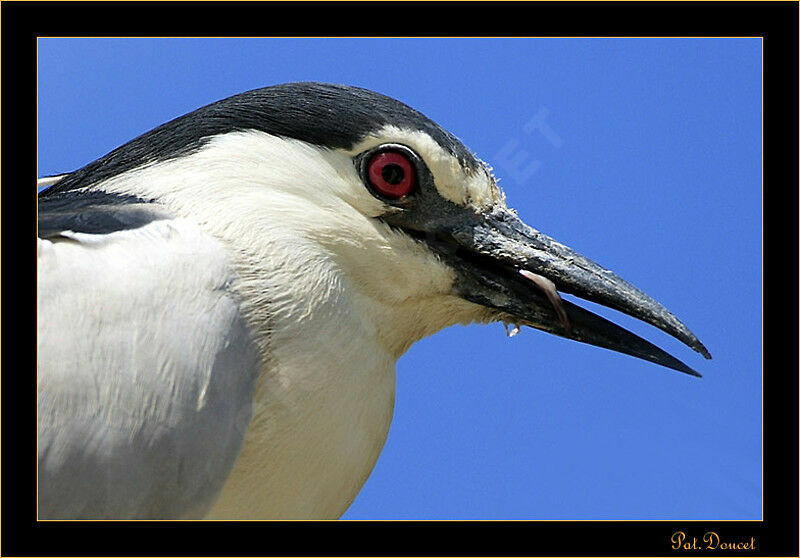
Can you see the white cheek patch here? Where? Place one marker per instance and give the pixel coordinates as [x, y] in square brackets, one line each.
[477, 189]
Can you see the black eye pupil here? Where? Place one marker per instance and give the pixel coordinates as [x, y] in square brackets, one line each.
[393, 174]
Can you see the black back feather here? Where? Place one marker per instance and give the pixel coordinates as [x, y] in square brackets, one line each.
[93, 212]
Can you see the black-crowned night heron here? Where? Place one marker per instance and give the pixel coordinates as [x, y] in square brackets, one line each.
[222, 302]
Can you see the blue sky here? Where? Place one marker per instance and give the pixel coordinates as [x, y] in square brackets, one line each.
[642, 154]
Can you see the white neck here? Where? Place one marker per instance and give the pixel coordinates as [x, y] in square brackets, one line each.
[333, 297]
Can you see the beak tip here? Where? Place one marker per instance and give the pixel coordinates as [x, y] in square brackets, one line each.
[700, 348]
[676, 364]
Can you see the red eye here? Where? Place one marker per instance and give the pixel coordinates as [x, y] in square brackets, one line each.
[391, 174]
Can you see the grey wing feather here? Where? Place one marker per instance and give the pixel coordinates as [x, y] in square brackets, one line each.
[145, 372]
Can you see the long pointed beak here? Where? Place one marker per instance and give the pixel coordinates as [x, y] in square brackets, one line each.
[507, 265]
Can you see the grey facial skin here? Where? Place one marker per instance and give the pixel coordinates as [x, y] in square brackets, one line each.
[504, 264]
